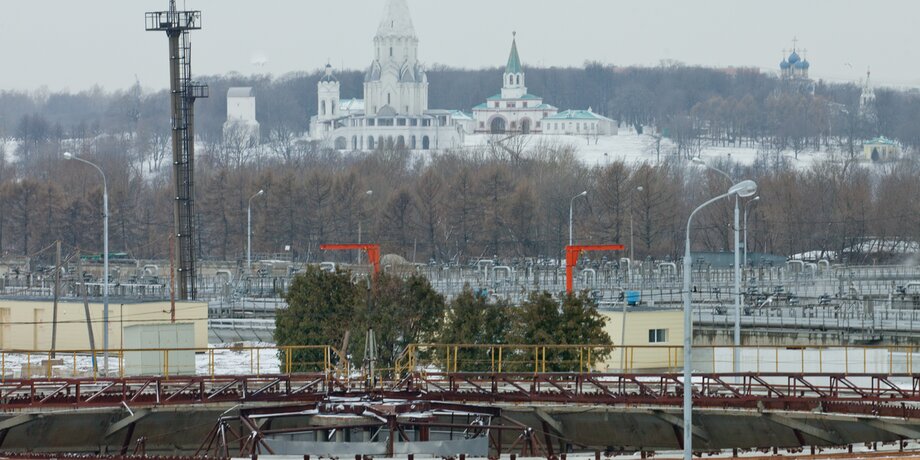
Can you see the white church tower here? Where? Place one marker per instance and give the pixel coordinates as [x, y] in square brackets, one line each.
[327, 91]
[514, 87]
[395, 83]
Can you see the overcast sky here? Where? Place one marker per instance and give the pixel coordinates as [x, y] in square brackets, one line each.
[69, 44]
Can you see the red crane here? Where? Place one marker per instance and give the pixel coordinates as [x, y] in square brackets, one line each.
[372, 250]
[571, 258]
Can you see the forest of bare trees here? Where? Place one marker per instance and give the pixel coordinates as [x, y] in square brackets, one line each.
[453, 206]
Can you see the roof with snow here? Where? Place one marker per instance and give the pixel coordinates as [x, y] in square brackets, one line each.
[881, 140]
[460, 115]
[351, 105]
[577, 115]
[240, 92]
[397, 21]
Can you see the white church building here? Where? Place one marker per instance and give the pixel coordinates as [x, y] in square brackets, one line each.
[513, 110]
[241, 125]
[394, 111]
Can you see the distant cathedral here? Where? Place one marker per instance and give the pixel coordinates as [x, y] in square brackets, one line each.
[793, 70]
[394, 111]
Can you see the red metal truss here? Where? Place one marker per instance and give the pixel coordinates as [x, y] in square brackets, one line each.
[885, 395]
[571, 258]
[373, 251]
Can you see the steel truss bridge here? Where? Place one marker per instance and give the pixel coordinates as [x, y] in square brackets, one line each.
[530, 413]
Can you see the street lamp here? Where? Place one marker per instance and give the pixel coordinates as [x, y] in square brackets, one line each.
[742, 189]
[737, 236]
[367, 193]
[249, 231]
[746, 207]
[105, 260]
[631, 206]
[571, 205]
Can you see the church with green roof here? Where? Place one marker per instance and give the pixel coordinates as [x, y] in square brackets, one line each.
[515, 111]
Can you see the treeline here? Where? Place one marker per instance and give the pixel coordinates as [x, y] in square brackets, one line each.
[688, 104]
[332, 309]
[452, 206]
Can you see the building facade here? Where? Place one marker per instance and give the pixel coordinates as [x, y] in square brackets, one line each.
[513, 110]
[241, 125]
[394, 111]
[580, 123]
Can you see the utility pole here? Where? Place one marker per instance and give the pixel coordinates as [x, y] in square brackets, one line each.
[89, 319]
[57, 293]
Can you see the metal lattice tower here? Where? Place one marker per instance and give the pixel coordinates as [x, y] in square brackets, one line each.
[184, 92]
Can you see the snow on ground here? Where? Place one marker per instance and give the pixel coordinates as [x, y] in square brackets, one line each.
[228, 359]
[630, 147]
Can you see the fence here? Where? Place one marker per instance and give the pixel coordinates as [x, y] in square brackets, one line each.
[205, 362]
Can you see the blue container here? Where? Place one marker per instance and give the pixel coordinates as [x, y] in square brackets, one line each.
[633, 297]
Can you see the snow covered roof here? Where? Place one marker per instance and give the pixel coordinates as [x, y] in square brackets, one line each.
[577, 115]
[459, 115]
[397, 21]
[351, 105]
[881, 140]
[240, 92]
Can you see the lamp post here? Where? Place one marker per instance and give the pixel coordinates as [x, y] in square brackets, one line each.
[631, 206]
[249, 231]
[367, 193]
[105, 260]
[747, 206]
[742, 189]
[571, 206]
[737, 245]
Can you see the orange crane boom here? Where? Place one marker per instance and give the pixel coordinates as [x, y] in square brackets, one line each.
[372, 250]
[571, 258]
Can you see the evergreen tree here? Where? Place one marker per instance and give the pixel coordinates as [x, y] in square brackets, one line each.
[472, 320]
[322, 308]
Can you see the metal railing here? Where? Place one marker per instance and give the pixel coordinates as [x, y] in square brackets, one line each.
[166, 362]
[539, 359]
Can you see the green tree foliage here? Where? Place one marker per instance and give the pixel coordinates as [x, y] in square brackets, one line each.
[322, 307]
[541, 320]
[473, 320]
[405, 311]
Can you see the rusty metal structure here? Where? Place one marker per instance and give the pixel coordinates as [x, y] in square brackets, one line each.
[532, 414]
[571, 259]
[372, 250]
[184, 91]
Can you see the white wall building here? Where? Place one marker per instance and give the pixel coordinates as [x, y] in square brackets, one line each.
[241, 125]
[394, 110]
[513, 110]
[580, 123]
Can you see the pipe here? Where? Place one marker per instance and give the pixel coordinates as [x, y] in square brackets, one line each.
[584, 276]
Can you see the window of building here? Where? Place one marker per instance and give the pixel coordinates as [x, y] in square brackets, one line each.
[388, 98]
[510, 80]
[391, 51]
[482, 125]
[538, 124]
[512, 105]
[496, 105]
[657, 335]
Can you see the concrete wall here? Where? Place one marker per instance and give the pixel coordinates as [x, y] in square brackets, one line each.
[27, 324]
[649, 355]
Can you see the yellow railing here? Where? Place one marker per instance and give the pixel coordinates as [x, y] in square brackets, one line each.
[510, 358]
[438, 358]
[209, 362]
